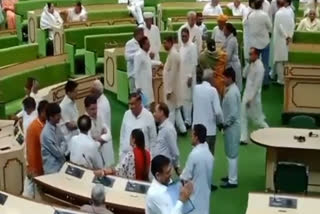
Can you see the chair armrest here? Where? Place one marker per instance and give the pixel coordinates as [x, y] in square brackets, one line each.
[90, 60]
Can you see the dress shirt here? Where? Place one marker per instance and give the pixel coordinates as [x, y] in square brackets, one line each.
[27, 119]
[131, 48]
[104, 110]
[206, 107]
[210, 10]
[236, 11]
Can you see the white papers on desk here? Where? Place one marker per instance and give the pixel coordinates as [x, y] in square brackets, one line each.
[174, 192]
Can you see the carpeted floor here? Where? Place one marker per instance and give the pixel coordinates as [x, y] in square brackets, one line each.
[251, 157]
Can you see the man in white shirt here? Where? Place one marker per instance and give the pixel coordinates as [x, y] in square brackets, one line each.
[158, 199]
[167, 136]
[202, 26]
[152, 32]
[135, 7]
[172, 85]
[259, 27]
[199, 170]
[206, 106]
[282, 32]
[29, 114]
[137, 117]
[104, 110]
[100, 131]
[266, 7]
[195, 34]
[84, 151]
[217, 33]
[237, 8]
[69, 112]
[188, 64]
[212, 8]
[77, 13]
[131, 48]
[251, 107]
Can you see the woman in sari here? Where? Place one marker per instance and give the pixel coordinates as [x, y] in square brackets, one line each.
[9, 8]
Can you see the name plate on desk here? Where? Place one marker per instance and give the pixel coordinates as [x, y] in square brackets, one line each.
[283, 202]
[105, 181]
[136, 187]
[74, 171]
[3, 198]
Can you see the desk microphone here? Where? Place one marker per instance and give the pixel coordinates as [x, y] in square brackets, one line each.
[85, 158]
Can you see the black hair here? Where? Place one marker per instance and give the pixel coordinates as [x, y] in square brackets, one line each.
[135, 95]
[137, 31]
[231, 28]
[255, 50]
[258, 4]
[211, 44]
[42, 106]
[138, 136]
[289, 2]
[84, 123]
[158, 163]
[200, 131]
[142, 41]
[79, 4]
[229, 73]
[52, 110]
[29, 103]
[29, 82]
[185, 30]
[89, 100]
[169, 39]
[164, 108]
[70, 86]
[49, 4]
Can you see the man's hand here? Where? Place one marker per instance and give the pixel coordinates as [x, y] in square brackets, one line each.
[151, 54]
[169, 96]
[178, 170]
[99, 173]
[109, 171]
[100, 140]
[220, 126]
[189, 83]
[288, 40]
[186, 191]
[72, 125]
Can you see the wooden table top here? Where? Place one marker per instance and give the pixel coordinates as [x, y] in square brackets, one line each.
[314, 48]
[284, 138]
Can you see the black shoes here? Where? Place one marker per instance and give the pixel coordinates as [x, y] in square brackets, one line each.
[242, 143]
[225, 179]
[213, 188]
[227, 185]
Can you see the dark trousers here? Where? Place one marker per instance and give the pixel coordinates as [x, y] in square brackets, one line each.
[211, 140]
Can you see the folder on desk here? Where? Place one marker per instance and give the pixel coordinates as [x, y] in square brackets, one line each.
[174, 192]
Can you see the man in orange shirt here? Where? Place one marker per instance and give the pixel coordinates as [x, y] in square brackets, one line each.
[33, 148]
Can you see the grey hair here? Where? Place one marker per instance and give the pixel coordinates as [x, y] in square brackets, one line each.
[98, 195]
[98, 86]
[191, 13]
[207, 75]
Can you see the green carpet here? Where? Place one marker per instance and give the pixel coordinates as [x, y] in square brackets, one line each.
[251, 157]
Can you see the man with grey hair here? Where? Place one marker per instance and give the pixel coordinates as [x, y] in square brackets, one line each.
[98, 201]
[194, 31]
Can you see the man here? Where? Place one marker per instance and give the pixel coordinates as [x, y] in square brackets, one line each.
[310, 23]
[100, 131]
[143, 71]
[283, 32]
[199, 170]
[33, 150]
[131, 48]
[104, 110]
[152, 32]
[188, 64]
[77, 14]
[231, 105]
[195, 34]
[206, 107]
[217, 33]
[266, 7]
[135, 7]
[202, 26]
[69, 112]
[251, 106]
[166, 143]
[137, 117]
[50, 19]
[212, 8]
[158, 200]
[259, 28]
[84, 151]
[98, 197]
[237, 8]
[53, 147]
[29, 113]
[172, 85]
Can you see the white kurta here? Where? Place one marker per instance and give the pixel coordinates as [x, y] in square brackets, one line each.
[283, 28]
[27, 119]
[210, 10]
[266, 7]
[145, 122]
[158, 200]
[237, 11]
[131, 48]
[206, 107]
[104, 110]
[218, 35]
[246, 33]
[74, 17]
[199, 169]
[153, 35]
[49, 21]
[135, 7]
[306, 25]
[195, 36]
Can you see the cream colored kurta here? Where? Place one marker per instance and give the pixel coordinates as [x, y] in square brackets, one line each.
[307, 25]
[195, 36]
[153, 35]
[80, 17]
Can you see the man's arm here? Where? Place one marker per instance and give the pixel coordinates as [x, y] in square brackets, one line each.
[173, 147]
[217, 107]
[152, 133]
[130, 51]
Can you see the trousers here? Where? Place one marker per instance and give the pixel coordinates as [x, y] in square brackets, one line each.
[176, 119]
[233, 170]
[279, 67]
[265, 55]
[187, 112]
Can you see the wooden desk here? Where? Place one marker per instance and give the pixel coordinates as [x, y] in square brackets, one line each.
[6, 128]
[258, 203]
[61, 186]
[281, 146]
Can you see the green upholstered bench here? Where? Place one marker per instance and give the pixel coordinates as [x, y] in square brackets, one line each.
[18, 54]
[8, 41]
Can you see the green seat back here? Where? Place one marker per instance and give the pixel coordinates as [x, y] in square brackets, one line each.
[18, 54]
[303, 121]
[8, 41]
[304, 58]
[306, 37]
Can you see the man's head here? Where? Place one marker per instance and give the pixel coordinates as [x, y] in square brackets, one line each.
[214, 2]
[312, 15]
[138, 33]
[199, 134]
[168, 43]
[199, 19]
[35, 86]
[222, 20]
[29, 105]
[207, 76]
[71, 89]
[185, 35]
[28, 85]
[84, 124]
[161, 112]
[90, 103]
[192, 18]
[96, 88]
[281, 3]
[50, 6]
[148, 19]
[236, 3]
[229, 76]
[135, 104]
[258, 4]
[53, 113]
[253, 54]
[161, 169]
[211, 45]
[251, 3]
[287, 3]
[42, 108]
[78, 7]
[144, 44]
[98, 195]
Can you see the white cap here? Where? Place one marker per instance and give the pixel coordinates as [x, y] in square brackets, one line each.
[148, 15]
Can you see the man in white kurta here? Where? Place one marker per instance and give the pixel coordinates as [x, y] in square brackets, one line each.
[217, 33]
[251, 107]
[104, 109]
[137, 117]
[188, 64]
[195, 34]
[212, 8]
[172, 85]
[202, 26]
[310, 23]
[135, 7]
[50, 19]
[131, 48]
[152, 32]
[199, 170]
[77, 13]
[237, 8]
[282, 32]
